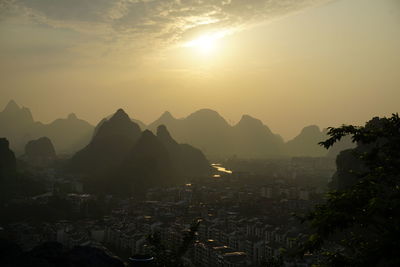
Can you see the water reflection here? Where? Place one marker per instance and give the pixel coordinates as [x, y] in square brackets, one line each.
[220, 170]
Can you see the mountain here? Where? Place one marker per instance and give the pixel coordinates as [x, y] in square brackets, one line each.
[13, 114]
[188, 160]
[123, 160]
[306, 143]
[69, 134]
[249, 138]
[255, 140]
[204, 129]
[40, 152]
[18, 125]
[209, 131]
[141, 124]
[8, 164]
[148, 164]
[165, 119]
[109, 146]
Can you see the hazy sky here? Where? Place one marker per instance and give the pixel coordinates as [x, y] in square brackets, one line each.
[290, 63]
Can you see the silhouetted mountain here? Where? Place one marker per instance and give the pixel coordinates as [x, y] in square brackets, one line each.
[189, 161]
[165, 119]
[122, 159]
[148, 164]
[207, 130]
[18, 125]
[165, 137]
[70, 134]
[12, 113]
[40, 152]
[110, 145]
[253, 139]
[249, 138]
[96, 129]
[306, 143]
[210, 132]
[118, 125]
[141, 124]
[7, 161]
[204, 129]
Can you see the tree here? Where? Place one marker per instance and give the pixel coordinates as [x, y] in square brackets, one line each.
[359, 224]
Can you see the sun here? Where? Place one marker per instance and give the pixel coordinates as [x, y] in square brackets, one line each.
[204, 44]
[207, 43]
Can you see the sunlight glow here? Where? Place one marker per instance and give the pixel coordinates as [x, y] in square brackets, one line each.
[207, 43]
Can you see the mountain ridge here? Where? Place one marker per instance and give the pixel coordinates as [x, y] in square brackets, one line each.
[204, 128]
[18, 125]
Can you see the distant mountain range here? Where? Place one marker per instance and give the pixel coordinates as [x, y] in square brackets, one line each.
[205, 129]
[210, 132]
[249, 138]
[18, 126]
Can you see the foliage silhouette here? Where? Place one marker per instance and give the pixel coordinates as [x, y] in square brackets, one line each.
[360, 225]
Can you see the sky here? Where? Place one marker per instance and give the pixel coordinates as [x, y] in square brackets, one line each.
[290, 63]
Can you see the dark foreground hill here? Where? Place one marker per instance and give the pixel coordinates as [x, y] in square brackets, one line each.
[40, 152]
[122, 159]
[8, 163]
[110, 145]
[187, 160]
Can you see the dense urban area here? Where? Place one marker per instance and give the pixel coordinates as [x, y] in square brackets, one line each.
[244, 213]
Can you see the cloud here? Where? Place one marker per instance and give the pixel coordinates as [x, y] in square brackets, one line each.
[157, 21]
